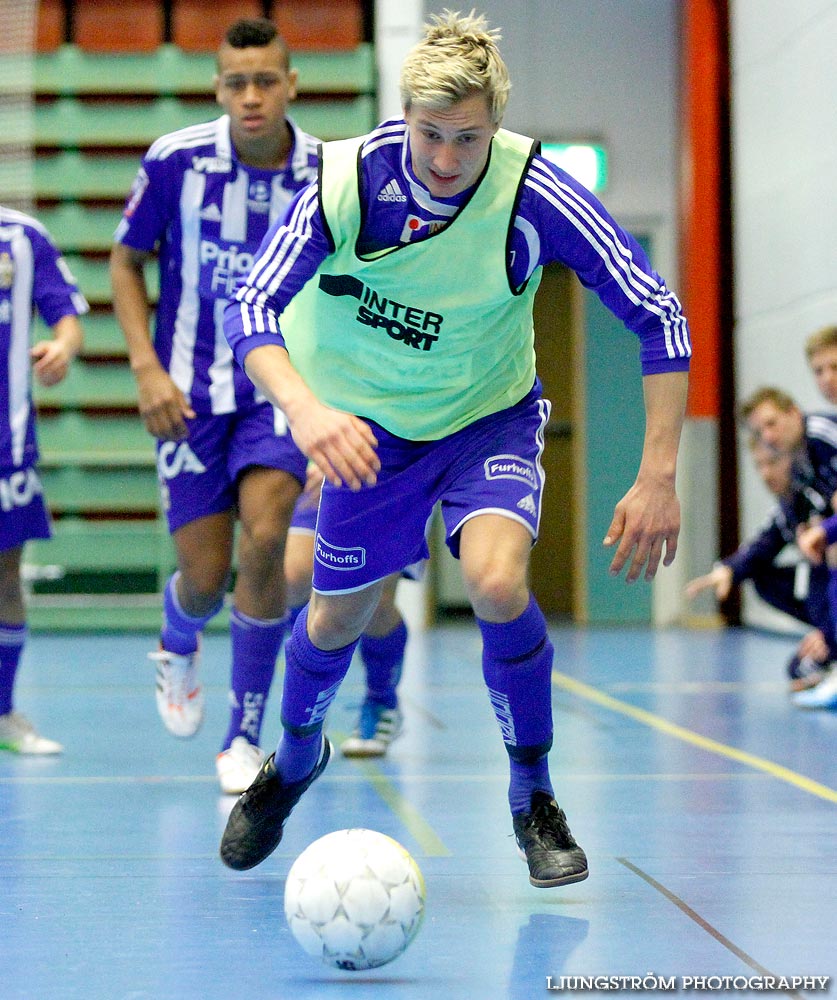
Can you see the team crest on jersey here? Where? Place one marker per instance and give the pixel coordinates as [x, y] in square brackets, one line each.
[259, 197]
[414, 228]
[392, 193]
[7, 270]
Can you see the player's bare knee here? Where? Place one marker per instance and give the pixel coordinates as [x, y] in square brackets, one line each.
[334, 622]
[497, 595]
[330, 630]
[199, 593]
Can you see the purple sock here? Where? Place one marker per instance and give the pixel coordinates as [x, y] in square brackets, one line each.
[255, 647]
[383, 657]
[312, 678]
[12, 640]
[180, 631]
[291, 617]
[517, 667]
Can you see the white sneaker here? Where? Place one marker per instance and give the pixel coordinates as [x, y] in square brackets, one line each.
[18, 735]
[376, 729]
[238, 766]
[822, 695]
[179, 695]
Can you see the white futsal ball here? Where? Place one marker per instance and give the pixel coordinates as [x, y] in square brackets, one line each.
[355, 899]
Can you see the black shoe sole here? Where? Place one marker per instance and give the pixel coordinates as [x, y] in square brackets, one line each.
[551, 883]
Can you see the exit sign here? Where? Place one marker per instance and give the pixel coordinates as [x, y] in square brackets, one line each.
[584, 161]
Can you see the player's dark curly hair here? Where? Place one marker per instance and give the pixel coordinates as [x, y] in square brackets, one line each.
[255, 32]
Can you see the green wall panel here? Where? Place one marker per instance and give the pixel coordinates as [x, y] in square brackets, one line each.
[615, 423]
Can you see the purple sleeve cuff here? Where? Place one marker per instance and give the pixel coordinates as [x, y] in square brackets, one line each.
[829, 525]
[657, 367]
[246, 344]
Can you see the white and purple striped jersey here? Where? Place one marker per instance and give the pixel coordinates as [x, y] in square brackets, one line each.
[206, 214]
[556, 220]
[33, 276]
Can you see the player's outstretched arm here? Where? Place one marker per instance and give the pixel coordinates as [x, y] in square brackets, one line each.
[718, 579]
[646, 521]
[340, 444]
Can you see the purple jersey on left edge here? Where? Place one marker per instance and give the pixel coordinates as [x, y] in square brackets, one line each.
[33, 276]
[206, 215]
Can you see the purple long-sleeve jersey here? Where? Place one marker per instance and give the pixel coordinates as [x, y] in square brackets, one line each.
[33, 276]
[556, 220]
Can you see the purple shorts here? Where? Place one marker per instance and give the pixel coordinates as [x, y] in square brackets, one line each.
[304, 519]
[23, 513]
[492, 466]
[199, 475]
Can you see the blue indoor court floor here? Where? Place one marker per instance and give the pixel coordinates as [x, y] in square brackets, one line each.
[706, 803]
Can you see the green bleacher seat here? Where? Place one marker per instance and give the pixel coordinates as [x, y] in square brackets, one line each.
[91, 386]
[336, 119]
[76, 490]
[79, 229]
[71, 123]
[100, 546]
[93, 277]
[73, 438]
[71, 174]
[103, 336]
[171, 71]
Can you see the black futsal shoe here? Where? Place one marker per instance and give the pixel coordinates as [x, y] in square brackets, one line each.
[254, 829]
[547, 846]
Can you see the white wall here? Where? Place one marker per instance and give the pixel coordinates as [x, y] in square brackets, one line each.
[785, 203]
[605, 70]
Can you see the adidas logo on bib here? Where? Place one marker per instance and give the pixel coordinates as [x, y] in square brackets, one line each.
[392, 193]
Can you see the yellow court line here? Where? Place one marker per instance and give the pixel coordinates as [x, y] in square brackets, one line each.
[421, 831]
[688, 736]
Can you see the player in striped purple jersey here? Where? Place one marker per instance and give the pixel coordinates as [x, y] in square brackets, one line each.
[33, 276]
[390, 315]
[202, 201]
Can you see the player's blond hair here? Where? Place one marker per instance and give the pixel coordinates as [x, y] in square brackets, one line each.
[457, 57]
[826, 337]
